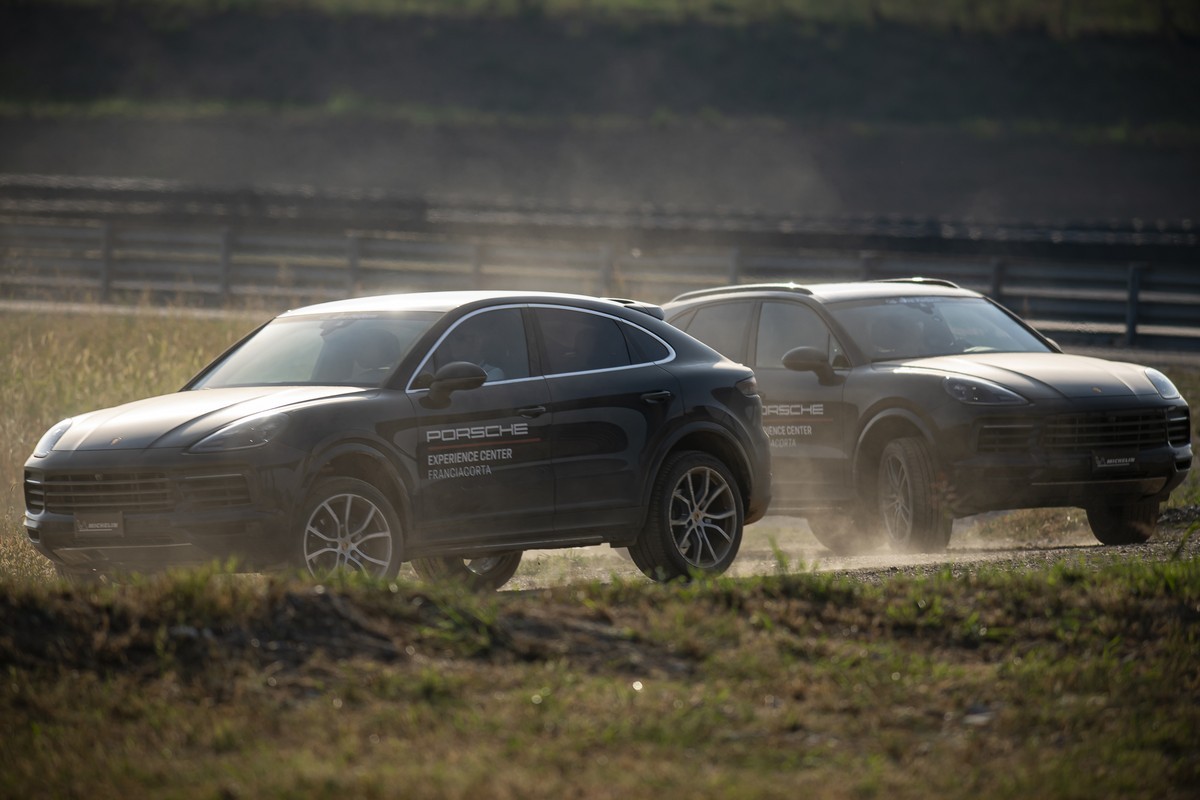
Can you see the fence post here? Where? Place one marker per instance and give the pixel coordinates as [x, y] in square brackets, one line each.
[868, 261]
[1131, 307]
[998, 269]
[353, 252]
[106, 261]
[477, 265]
[735, 264]
[226, 263]
[606, 269]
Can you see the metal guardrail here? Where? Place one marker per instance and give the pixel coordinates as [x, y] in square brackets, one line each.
[1123, 304]
[1132, 283]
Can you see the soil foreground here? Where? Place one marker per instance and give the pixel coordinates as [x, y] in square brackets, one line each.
[1051, 668]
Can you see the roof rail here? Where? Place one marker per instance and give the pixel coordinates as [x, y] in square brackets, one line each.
[918, 279]
[744, 287]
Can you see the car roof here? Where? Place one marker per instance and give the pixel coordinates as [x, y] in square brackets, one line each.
[445, 301]
[833, 292]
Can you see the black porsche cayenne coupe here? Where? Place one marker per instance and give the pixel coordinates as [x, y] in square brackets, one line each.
[451, 429]
[894, 406]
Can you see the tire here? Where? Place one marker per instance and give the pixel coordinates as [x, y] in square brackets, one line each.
[845, 532]
[913, 515]
[479, 574]
[694, 523]
[347, 525]
[1131, 523]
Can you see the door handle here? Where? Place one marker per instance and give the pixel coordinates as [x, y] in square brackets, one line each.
[529, 412]
[661, 396]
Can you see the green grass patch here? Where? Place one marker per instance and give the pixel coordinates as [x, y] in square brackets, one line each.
[1063, 682]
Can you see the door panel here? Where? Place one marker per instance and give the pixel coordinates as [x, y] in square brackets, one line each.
[608, 413]
[806, 421]
[484, 468]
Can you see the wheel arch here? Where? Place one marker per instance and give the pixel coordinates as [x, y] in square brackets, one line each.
[717, 443]
[894, 423]
[360, 460]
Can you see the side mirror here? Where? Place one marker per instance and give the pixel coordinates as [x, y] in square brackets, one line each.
[809, 359]
[453, 377]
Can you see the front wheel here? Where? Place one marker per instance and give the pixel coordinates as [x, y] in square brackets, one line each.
[694, 524]
[349, 526]
[914, 518]
[480, 574]
[1131, 523]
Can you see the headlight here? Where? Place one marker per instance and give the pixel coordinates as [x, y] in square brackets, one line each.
[977, 392]
[1163, 384]
[243, 434]
[46, 444]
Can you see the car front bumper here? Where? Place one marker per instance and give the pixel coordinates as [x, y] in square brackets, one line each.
[1038, 480]
[88, 511]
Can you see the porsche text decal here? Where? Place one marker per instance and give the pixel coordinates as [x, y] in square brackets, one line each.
[799, 417]
[470, 452]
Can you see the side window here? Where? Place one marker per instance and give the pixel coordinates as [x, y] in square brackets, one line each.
[723, 328]
[784, 326]
[495, 340]
[643, 347]
[575, 341]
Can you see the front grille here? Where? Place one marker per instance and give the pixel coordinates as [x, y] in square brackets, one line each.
[215, 491]
[110, 491]
[131, 492]
[1108, 429]
[1005, 436]
[1179, 427]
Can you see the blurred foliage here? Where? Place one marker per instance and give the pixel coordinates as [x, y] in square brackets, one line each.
[1062, 18]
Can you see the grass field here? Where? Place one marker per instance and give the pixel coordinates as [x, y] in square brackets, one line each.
[1066, 682]
[1071, 681]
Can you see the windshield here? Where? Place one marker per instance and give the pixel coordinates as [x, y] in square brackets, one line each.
[359, 349]
[894, 328]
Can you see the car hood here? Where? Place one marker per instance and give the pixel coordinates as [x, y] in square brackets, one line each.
[1041, 375]
[182, 419]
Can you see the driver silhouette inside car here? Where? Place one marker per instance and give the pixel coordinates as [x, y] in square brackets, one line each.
[472, 342]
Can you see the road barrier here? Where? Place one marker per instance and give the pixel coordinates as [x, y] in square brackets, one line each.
[206, 250]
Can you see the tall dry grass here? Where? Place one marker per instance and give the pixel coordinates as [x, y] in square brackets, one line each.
[55, 365]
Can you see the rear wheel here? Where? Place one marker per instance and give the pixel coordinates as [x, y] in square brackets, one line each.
[914, 518]
[1129, 523]
[349, 526]
[845, 532]
[694, 524]
[481, 574]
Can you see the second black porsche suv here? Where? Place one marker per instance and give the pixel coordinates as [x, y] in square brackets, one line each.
[894, 406]
[451, 429]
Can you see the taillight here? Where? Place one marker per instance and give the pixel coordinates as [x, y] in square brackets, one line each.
[748, 386]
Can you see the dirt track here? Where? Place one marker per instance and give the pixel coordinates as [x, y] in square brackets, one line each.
[790, 538]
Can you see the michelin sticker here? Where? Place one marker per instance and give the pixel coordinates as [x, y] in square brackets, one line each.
[470, 452]
[799, 419]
